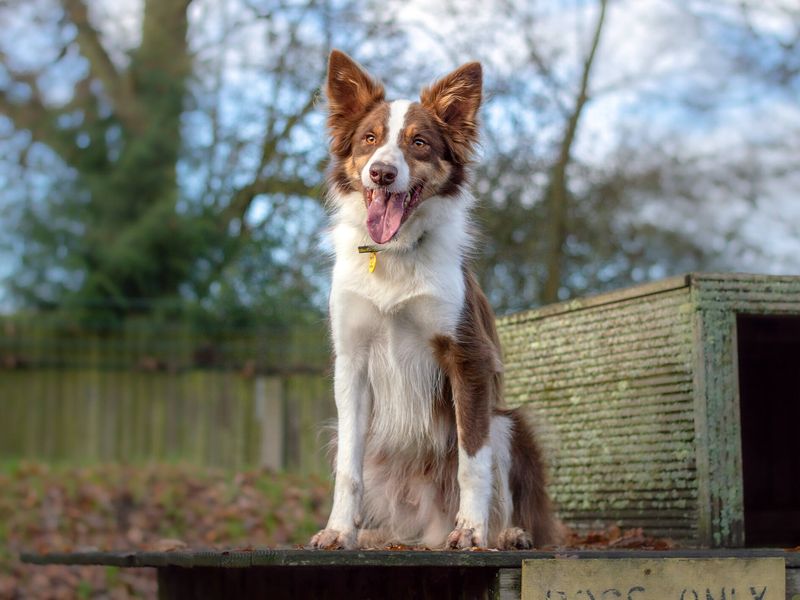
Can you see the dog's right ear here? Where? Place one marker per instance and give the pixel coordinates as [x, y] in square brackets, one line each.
[351, 92]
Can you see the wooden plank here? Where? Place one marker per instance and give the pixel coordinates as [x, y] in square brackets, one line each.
[609, 383]
[719, 429]
[203, 583]
[638, 291]
[614, 318]
[502, 580]
[371, 558]
[618, 326]
[269, 412]
[670, 578]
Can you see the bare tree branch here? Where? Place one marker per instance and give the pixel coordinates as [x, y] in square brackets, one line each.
[33, 115]
[117, 85]
[557, 192]
[243, 197]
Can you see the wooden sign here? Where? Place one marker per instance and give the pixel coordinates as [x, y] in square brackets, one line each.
[654, 579]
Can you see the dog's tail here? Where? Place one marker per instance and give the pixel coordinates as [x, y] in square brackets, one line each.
[533, 510]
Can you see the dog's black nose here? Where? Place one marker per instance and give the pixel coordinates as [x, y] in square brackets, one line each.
[382, 174]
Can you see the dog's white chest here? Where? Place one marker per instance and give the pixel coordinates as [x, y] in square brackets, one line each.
[388, 318]
[405, 380]
[383, 322]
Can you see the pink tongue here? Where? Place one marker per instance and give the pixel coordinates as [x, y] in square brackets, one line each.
[384, 215]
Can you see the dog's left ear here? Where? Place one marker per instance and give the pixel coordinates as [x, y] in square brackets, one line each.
[351, 92]
[455, 100]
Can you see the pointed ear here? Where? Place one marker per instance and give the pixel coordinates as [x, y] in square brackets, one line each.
[351, 92]
[455, 100]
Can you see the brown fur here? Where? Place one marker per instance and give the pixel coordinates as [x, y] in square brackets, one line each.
[473, 368]
[533, 510]
[455, 100]
[432, 162]
[375, 123]
[352, 93]
[446, 119]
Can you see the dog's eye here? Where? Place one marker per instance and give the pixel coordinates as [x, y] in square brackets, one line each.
[370, 138]
[420, 143]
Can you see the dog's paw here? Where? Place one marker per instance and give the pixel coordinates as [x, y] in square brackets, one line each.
[333, 539]
[465, 537]
[514, 538]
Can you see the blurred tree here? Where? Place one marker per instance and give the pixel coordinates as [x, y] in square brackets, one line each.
[612, 152]
[616, 145]
[557, 193]
[183, 166]
[115, 224]
[760, 38]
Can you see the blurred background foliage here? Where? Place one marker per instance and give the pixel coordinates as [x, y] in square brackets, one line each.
[171, 152]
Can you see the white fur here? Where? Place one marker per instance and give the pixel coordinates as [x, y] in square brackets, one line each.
[500, 439]
[386, 319]
[406, 507]
[390, 152]
[475, 484]
[352, 405]
[386, 375]
[483, 481]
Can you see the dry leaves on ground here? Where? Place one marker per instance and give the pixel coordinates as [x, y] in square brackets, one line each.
[167, 508]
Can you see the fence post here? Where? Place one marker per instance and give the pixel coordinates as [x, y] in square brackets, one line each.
[269, 412]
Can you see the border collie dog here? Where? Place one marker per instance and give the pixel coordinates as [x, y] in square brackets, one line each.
[426, 451]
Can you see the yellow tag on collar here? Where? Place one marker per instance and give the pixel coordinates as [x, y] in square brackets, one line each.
[373, 261]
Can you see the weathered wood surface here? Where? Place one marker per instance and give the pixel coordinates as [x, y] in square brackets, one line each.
[609, 383]
[655, 578]
[635, 393]
[718, 298]
[147, 391]
[301, 573]
[215, 418]
[266, 557]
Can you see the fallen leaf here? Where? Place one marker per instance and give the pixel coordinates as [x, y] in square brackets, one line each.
[168, 545]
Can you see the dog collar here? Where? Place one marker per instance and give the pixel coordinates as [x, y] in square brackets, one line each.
[368, 249]
[373, 252]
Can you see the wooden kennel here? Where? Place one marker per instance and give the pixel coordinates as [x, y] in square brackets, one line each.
[672, 406]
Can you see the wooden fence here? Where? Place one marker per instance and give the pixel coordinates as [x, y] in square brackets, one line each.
[233, 399]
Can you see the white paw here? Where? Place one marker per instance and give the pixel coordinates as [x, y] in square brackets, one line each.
[463, 537]
[333, 539]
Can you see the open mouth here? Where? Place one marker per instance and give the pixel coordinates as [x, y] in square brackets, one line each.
[387, 211]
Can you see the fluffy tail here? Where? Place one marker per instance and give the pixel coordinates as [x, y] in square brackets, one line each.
[533, 510]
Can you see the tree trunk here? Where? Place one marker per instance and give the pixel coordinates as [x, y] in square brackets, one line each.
[557, 193]
[137, 238]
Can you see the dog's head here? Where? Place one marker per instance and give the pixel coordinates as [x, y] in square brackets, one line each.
[399, 154]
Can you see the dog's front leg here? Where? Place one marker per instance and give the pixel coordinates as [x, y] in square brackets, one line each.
[470, 367]
[352, 405]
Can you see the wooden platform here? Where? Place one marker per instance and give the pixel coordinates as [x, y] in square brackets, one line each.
[297, 573]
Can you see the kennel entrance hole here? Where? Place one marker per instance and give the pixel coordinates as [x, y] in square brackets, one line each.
[769, 395]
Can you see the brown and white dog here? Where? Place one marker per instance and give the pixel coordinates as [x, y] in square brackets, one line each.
[426, 451]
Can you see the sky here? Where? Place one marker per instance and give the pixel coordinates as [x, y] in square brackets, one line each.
[655, 48]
